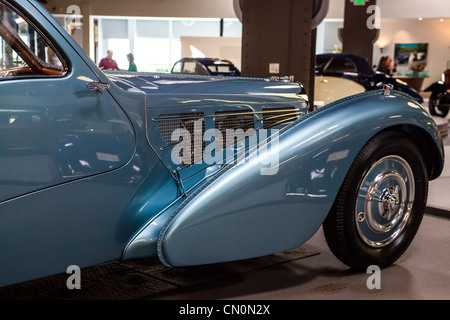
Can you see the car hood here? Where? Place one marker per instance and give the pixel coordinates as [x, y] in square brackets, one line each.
[157, 83]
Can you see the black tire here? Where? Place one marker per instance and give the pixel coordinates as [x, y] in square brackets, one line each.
[433, 106]
[341, 228]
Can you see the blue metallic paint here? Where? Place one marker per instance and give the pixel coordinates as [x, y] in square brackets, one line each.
[243, 214]
[131, 208]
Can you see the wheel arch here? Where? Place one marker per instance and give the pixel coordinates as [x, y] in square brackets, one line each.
[426, 144]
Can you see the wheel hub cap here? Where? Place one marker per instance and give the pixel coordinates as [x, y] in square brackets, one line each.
[385, 199]
[389, 202]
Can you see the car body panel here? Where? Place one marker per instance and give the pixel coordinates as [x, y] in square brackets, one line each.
[253, 209]
[144, 205]
[47, 142]
[182, 94]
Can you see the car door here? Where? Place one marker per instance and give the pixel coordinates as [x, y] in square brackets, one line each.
[53, 128]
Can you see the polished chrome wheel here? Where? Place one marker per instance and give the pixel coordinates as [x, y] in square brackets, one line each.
[381, 202]
[384, 201]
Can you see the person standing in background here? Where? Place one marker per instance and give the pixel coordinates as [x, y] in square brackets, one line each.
[108, 63]
[386, 66]
[132, 66]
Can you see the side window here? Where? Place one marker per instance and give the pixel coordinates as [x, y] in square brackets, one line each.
[177, 67]
[212, 68]
[321, 62]
[189, 67]
[23, 51]
[224, 68]
[341, 65]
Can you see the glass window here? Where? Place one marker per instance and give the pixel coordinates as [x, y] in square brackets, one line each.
[321, 62]
[177, 67]
[23, 51]
[115, 28]
[152, 54]
[224, 68]
[189, 67]
[341, 65]
[232, 28]
[152, 29]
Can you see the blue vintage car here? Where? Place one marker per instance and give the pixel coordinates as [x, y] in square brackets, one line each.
[357, 69]
[96, 167]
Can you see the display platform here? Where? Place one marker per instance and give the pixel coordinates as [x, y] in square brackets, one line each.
[141, 279]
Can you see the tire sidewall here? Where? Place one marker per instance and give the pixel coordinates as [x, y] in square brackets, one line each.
[398, 145]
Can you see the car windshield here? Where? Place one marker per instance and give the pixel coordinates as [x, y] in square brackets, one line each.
[321, 62]
[341, 65]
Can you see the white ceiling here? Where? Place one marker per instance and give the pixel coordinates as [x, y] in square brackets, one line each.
[400, 9]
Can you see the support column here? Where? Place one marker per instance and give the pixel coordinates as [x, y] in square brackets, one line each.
[356, 36]
[277, 39]
[86, 12]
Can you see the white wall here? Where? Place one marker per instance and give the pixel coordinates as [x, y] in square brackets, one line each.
[431, 31]
[327, 35]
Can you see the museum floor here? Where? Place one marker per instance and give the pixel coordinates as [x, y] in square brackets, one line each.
[422, 273]
[307, 272]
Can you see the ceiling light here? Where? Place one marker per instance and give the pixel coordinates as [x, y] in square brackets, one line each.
[420, 19]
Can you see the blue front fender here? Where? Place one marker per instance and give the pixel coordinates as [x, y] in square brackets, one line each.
[241, 214]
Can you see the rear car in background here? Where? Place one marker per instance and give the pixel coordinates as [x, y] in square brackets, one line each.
[206, 67]
[339, 75]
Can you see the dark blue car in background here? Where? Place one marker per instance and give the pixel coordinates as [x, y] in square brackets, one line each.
[358, 69]
[206, 67]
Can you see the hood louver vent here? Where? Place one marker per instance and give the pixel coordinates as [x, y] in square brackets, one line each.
[168, 123]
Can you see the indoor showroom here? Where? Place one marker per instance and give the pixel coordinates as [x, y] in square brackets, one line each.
[202, 151]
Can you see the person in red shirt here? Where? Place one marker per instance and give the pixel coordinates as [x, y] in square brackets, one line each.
[108, 63]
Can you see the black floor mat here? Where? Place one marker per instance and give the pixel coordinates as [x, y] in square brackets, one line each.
[139, 279]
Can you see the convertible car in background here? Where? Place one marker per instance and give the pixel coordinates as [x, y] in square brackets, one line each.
[99, 166]
[206, 67]
[340, 75]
